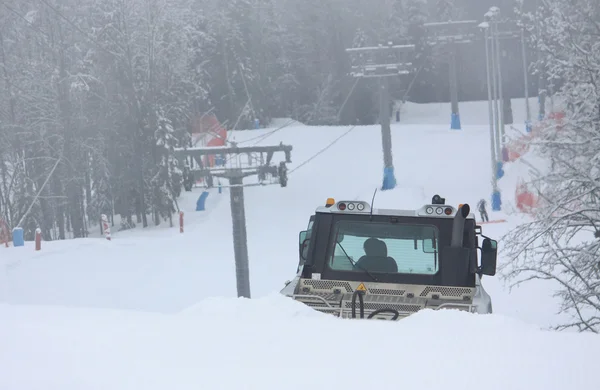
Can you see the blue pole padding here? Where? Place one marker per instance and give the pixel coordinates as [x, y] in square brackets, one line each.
[389, 180]
[18, 239]
[499, 170]
[201, 203]
[496, 201]
[528, 126]
[455, 122]
[220, 189]
[256, 123]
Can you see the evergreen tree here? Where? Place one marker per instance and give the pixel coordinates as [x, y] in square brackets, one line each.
[168, 179]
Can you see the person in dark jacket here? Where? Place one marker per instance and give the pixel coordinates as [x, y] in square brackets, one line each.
[376, 258]
[482, 211]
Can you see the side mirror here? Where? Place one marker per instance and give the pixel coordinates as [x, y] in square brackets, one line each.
[301, 239]
[304, 249]
[489, 252]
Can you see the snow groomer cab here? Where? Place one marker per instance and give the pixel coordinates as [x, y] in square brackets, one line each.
[360, 262]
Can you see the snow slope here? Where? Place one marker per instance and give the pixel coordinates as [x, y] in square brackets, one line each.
[272, 344]
[156, 309]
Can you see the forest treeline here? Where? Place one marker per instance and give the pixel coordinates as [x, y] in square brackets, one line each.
[95, 94]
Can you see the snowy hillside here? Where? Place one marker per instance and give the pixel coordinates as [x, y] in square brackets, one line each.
[156, 309]
[272, 344]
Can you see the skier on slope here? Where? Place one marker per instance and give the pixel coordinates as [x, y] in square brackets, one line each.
[483, 211]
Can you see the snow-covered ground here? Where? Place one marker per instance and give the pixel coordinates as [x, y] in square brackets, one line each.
[156, 309]
[274, 344]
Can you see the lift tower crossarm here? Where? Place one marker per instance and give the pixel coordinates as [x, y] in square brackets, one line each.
[205, 151]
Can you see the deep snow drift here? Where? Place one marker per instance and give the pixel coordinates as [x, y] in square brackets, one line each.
[272, 344]
[180, 325]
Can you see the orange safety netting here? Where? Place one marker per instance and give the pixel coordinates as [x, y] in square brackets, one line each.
[207, 131]
[517, 148]
[526, 200]
[520, 146]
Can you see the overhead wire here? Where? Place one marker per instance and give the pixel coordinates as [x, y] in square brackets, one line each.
[262, 137]
[335, 140]
[29, 24]
[323, 150]
[351, 128]
[89, 38]
[339, 113]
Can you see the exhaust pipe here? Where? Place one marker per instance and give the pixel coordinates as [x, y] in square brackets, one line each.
[458, 227]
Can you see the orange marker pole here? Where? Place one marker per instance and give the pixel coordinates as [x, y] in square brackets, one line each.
[105, 226]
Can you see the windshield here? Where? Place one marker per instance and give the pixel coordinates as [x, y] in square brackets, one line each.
[385, 247]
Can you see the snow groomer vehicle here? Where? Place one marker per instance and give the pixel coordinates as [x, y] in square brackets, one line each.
[359, 262]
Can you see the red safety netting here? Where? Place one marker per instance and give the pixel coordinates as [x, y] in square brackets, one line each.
[526, 200]
[207, 131]
[518, 147]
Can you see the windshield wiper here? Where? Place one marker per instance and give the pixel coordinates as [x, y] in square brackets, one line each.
[356, 265]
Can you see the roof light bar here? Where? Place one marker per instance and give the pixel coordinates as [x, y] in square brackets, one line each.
[352, 206]
[435, 210]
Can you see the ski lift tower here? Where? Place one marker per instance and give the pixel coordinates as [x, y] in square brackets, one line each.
[449, 35]
[382, 62]
[495, 30]
[235, 170]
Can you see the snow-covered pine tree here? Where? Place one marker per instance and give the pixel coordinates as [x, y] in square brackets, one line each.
[101, 194]
[562, 243]
[444, 10]
[167, 181]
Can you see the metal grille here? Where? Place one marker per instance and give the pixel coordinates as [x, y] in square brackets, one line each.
[326, 295]
[327, 284]
[446, 291]
[376, 306]
[386, 291]
[313, 302]
[348, 315]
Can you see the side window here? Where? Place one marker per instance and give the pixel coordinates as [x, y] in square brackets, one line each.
[428, 245]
